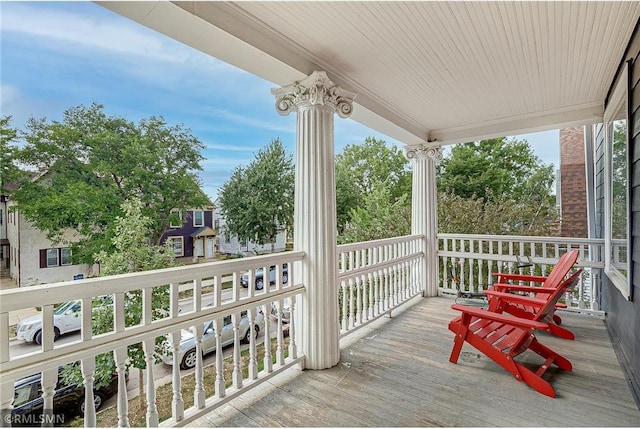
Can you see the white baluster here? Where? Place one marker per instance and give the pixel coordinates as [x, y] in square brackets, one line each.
[152, 409]
[49, 379]
[199, 392]
[293, 348]
[358, 285]
[345, 326]
[268, 362]
[280, 335]
[237, 371]
[88, 370]
[120, 357]
[351, 305]
[253, 361]
[220, 382]
[177, 403]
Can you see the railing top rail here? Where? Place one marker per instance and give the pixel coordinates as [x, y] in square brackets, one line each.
[524, 238]
[375, 243]
[53, 293]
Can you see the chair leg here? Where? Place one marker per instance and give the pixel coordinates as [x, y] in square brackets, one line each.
[536, 382]
[561, 332]
[460, 336]
[557, 319]
[546, 352]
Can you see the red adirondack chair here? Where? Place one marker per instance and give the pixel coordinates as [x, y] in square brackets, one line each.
[529, 309]
[502, 337]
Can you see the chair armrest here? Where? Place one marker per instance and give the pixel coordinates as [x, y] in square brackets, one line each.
[521, 277]
[502, 287]
[498, 317]
[517, 299]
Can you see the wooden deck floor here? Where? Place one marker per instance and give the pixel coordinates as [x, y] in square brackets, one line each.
[396, 373]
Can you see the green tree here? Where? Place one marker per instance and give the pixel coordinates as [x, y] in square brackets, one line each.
[9, 171]
[360, 169]
[89, 163]
[257, 200]
[378, 218]
[132, 252]
[498, 168]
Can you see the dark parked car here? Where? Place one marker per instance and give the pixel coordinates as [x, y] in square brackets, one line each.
[68, 400]
[259, 277]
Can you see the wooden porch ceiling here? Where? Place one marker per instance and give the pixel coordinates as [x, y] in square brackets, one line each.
[422, 71]
[397, 373]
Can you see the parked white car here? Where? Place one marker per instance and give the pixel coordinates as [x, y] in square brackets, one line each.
[66, 318]
[188, 342]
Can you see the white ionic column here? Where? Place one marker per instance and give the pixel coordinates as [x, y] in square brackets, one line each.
[424, 211]
[316, 99]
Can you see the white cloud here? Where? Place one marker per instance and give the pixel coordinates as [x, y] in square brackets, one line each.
[252, 122]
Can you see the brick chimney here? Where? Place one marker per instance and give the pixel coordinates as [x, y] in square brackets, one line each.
[573, 187]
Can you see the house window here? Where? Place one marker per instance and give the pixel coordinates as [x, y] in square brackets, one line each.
[175, 219]
[616, 188]
[177, 243]
[65, 256]
[217, 224]
[198, 218]
[55, 257]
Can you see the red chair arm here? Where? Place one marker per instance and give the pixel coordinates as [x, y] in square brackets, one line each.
[516, 299]
[502, 287]
[498, 317]
[521, 277]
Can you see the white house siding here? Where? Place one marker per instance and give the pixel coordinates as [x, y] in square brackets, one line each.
[26, 242]
[230, 245]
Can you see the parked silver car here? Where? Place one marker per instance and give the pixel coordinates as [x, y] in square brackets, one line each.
[188, 341]
[259, 277]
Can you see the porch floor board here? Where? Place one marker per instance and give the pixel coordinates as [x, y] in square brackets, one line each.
[396, 372]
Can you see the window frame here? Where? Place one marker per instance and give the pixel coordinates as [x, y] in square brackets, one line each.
[171, 224]
[173, 246]
[57, 254]
[618, 102]
[194, 218]
[62, 258]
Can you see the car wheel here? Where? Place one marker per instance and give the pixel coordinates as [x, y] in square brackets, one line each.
[247, 336]
[285, 278]
[56, 334]
[98, 400]
[189, 359]
[259, 284]
[38, 338]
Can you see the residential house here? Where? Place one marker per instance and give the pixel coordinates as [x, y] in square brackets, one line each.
[231, 245]
[193, 237]
[30, 257]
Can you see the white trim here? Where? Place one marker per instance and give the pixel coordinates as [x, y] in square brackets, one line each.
[617, 101]
[171, 238]
[194, 218]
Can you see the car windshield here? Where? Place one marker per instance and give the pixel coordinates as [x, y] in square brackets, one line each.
[62, 308]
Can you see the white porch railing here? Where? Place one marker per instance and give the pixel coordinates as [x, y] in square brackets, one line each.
[472, 258]
[183, 314]
[375, 277]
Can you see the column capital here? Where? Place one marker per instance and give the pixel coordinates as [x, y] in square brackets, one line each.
[314, 90]
[423, 151]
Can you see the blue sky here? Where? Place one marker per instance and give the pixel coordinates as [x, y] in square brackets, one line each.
[58, 55]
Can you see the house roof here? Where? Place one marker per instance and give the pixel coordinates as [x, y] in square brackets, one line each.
[423, 71]
[205, 231]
